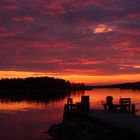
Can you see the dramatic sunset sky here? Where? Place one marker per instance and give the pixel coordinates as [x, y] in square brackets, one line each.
[91, 41]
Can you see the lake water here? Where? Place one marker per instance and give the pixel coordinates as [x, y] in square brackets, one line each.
[24, 120]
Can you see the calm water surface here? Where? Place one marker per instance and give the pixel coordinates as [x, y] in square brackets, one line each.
[24, 120]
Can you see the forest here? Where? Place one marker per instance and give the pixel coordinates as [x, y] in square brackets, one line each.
[134, 85]
[42, 83]
[38, 88]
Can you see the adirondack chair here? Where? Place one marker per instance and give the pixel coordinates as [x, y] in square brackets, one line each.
[125, 104]
[108, 105]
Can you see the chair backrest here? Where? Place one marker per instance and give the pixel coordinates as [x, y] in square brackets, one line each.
[109, 100]
[85, 103]
[69, 101]
[125, 101]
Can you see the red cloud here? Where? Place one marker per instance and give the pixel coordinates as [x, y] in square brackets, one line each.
[61, 7]
[29, 19]
[8, 8]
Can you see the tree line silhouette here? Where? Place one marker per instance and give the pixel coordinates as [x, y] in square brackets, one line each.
[37, 88]
[43, 83]
[135, 85]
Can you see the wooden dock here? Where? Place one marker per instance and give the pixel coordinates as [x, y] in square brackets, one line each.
[76, 109]
[120, 116]
[124, 121]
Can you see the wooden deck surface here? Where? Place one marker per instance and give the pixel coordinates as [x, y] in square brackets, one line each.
[119, 120]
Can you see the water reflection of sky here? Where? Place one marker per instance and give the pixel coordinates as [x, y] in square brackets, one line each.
[22, 105]
[28, 120]
[99, 95]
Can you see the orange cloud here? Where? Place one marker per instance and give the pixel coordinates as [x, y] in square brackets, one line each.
[101, 28]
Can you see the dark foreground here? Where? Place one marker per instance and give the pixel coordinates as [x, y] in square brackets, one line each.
[86, 128]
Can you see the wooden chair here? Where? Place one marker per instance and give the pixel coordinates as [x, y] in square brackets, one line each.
[108, 105]
[69, 101]
[125, 104]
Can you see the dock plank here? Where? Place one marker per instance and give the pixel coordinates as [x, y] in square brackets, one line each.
[119, 120]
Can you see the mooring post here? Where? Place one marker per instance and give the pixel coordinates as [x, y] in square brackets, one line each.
[133, 108]
[85, 104]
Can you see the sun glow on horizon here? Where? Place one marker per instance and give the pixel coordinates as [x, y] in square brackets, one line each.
[87, 79]
[98, 80]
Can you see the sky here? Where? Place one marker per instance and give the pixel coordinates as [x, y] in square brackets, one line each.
[90, 41]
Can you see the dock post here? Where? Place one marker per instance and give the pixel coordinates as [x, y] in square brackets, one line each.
[133, 108]
[85, 104]
[109, 102]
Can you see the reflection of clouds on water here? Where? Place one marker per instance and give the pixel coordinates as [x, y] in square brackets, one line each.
[23, 105]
